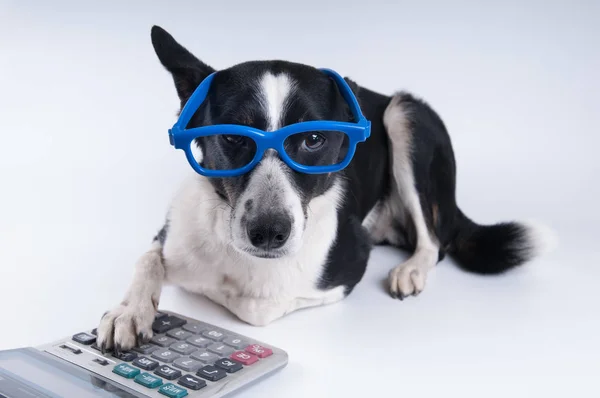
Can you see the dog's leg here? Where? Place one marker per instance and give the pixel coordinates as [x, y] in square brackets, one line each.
[261, 311]
[131, 322]
[416, 176]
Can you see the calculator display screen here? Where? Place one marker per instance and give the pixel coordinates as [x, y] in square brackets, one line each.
[28, 373]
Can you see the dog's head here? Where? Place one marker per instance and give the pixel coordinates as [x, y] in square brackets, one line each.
[269, 204]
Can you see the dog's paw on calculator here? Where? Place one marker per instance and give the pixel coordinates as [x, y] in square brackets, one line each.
[125, 326]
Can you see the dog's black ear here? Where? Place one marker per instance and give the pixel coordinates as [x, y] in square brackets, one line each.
[353, 86]
[187, 70]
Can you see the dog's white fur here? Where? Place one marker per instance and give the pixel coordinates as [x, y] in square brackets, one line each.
[204, 254]
[409, 277]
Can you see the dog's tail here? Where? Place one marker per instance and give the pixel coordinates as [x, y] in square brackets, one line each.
[493, 249]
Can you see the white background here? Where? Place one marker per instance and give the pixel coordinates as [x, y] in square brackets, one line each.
[87, 173]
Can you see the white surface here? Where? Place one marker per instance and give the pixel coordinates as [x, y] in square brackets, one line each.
[86, 175]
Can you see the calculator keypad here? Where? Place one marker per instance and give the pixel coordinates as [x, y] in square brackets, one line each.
[213, 334]
[168, 372]
[164, 324]
[145, 363]
[199, 341]
[220, 349]
[194, 351]
[205, 356]
[211, 373]
[179, 334]
[165, 355]
[191, 382]
[187, 364]
[162, 340]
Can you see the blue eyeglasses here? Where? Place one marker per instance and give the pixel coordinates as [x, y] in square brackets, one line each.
[311, 147]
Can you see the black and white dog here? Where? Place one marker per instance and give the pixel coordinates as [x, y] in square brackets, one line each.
[272, 241]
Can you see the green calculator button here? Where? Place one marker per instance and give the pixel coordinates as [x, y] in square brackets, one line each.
[172, 391]
[147, 380]
[126, 371]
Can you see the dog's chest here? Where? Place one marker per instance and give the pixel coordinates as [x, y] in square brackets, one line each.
[197, 255]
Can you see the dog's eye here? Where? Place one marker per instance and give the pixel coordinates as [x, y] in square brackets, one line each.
[233, 139]
[313, 142]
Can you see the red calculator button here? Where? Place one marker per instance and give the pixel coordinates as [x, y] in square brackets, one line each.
[259, 351]
[244, 358]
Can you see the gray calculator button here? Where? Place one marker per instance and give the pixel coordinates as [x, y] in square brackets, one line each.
[188, 364]
[165, 355]
[221, 349]
[145, 349]
[199, 341]
[214, 334]
[183, 348]
[235, 342]
[205, 356]
[162, 340]
[179, 334]
[195, 328]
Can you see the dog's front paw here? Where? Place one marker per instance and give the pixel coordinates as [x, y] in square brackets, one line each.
[125, 326]
[406, 280]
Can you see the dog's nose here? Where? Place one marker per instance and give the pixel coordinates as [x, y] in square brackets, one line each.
[270, 232]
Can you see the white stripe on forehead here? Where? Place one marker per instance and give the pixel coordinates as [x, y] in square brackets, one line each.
[274, 91]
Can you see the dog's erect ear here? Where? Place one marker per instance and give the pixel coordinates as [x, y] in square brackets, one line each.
[187, 70]
[353, 86]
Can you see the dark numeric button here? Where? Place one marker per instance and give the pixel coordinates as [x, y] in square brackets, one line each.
[164, 324]
[211, 373]
[84, 338]
[168, 372]
[125, 356]
[191, 382]
[228, 365]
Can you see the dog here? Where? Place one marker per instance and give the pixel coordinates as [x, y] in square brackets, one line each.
[275, 240]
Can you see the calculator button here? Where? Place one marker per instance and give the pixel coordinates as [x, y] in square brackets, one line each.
[165, 355]
[84, 338]
[162, 340]
[183, 348]
[211, 373]
[145, 363]
[145, 349]
[199, 341]
[168, 372]
[244, 357]
[205, 356]
[235, 342]
[179, 334]
[172, 391]
[126, 356]
[213, 335]
[221, 349]
[259, 351]
[148, 380]
[125, 370]
[228, 365]
[167, 323]
[195, 328]
[191, 382]
[188, 364]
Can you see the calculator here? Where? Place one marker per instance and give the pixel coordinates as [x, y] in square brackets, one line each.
[184, 358]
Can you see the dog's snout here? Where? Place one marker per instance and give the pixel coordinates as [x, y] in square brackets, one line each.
[269, 232]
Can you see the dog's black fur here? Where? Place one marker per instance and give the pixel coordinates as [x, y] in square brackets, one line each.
[479, 249]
